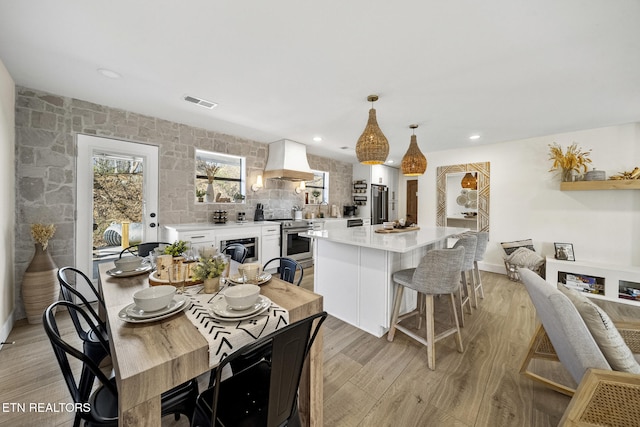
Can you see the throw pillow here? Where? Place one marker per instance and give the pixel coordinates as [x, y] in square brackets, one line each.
[524, 257]
[510, 247]
[604, 332]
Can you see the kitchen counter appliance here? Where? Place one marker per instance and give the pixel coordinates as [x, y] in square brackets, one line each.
[349, 211]
[355, 223]
[292, 246]
[251, 243]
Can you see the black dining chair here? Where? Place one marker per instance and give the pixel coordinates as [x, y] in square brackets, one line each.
[287, 269]
[141, 249]
[237, 251]
[102, 405]
[70, 278]
[264, 393]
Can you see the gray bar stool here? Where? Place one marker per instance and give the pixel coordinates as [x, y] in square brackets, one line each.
[469, 243]
[438, 273]
[481, 248]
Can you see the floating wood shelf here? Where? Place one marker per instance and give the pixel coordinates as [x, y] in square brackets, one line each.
[610, 184]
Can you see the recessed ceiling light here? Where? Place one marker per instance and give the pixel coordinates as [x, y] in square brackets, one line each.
[109, 73]
[474, 137]
[317, 138]
[389, 161]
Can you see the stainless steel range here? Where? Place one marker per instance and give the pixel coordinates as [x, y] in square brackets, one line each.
[293, 246]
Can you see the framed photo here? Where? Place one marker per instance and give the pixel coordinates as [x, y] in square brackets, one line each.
[564, 251]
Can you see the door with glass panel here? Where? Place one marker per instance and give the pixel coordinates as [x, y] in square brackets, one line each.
[117, 199]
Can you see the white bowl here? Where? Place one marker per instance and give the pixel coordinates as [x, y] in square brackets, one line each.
[388, 225]
[241, 297]
[129, 263]
[154, 298]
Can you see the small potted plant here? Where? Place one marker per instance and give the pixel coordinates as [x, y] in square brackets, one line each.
[176, 249]
[238, 197]
[209, 271]
[200, 194]
[316, 195]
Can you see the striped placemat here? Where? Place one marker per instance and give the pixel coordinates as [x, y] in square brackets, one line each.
[225, 337]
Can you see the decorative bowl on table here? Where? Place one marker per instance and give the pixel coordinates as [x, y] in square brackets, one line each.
[129, 263]
[388, 225]
[154, 298]
[241, 297]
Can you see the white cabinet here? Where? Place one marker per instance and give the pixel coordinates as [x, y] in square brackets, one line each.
[618, 283]
[197, 238]
[270, 245]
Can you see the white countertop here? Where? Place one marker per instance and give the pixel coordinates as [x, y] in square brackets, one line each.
[393, 242]
[210, 226]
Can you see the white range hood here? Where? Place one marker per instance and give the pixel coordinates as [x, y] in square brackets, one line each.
[287, 161]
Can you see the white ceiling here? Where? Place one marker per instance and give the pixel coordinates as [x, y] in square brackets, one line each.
[295, 69]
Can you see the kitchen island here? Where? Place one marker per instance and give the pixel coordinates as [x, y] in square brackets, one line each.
[353, 269]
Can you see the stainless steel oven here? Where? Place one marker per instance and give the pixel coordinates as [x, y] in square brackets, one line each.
[294, 246]
[251, 243]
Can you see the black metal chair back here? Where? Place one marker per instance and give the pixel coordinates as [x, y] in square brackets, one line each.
[265, 393]
[237, 251]
[69, 278]
[141, 249]
[79, 386]
[287, 269]
[102, 404]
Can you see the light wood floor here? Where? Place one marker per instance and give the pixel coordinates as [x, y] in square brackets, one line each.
[368, 381]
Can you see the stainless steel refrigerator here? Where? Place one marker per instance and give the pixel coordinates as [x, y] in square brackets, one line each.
[379, 204]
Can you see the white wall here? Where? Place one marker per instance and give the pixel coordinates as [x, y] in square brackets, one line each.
[7, 195]
[526, 201]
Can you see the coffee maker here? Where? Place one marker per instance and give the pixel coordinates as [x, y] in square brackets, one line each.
[349, 211]
[259, 215]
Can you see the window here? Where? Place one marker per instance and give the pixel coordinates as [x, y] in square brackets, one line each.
[317, 190]
[220, 177]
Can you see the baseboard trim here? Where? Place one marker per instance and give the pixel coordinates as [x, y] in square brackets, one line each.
[492, 268]
[7, 327]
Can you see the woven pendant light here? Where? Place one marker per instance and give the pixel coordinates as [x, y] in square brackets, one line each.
[414, 163]
[469, 181]
[372, 147]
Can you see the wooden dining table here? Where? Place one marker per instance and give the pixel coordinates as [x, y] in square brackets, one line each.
[151, 358]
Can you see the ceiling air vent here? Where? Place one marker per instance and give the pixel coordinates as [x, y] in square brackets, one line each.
[201, 102]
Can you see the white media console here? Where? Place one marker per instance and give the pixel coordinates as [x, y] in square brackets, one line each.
[616, 283]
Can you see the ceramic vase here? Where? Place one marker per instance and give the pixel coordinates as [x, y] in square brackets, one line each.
[40, 287]
[567, 175]
[210, 192]
[211, 285]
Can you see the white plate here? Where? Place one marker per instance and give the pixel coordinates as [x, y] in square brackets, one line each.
[236, 319]
[136, 312]
[119, 273]
[461, 200]
[262, 279]
[124, 317]
[220, 307]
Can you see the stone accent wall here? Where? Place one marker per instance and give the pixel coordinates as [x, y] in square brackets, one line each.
[46, 129]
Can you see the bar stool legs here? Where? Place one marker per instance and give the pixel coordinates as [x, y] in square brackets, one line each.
[477, 285]
[429, 316]
[464, 295]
